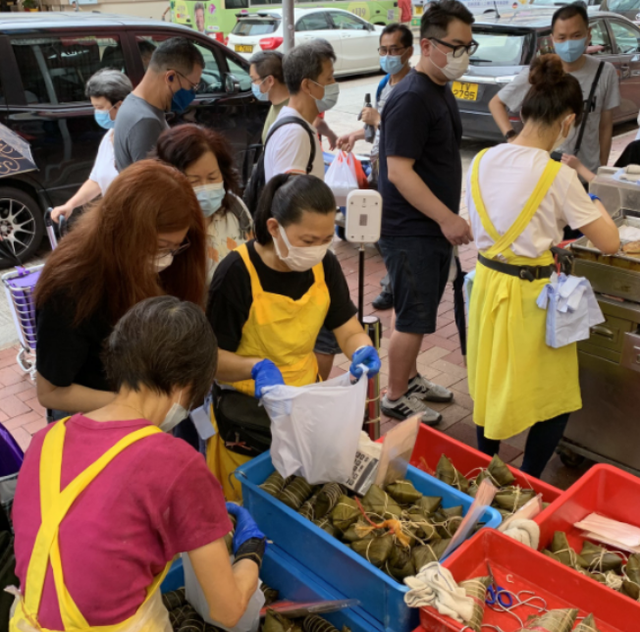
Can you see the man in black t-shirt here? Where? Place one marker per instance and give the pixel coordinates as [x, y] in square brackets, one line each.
[420, 182]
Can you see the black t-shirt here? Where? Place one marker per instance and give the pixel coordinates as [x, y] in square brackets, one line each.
[66, 354]
[421, 121]
[230, 296]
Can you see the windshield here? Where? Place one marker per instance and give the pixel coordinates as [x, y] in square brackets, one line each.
[500, 49]
[255, 26]
[623, 5]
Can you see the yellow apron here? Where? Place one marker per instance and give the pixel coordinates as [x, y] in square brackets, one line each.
[285, 332]
[515, 379]
[152, 616]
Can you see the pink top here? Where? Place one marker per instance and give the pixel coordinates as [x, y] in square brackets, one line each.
[154, 500]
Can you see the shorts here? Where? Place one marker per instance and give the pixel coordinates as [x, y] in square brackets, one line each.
[326, 343]
[418, 268]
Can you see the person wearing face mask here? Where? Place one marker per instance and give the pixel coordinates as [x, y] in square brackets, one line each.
[106, 89]
[420, 182]
[146, 237]
[136, 493]
[519, 200]
[170, 84]
[571, 35]
[204, 156]
[267, 303]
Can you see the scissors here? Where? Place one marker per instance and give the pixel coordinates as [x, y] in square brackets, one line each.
[497, 593]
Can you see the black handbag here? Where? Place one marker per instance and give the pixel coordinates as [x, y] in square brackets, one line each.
[243, 424]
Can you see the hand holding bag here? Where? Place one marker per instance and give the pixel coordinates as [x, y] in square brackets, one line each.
[341, 177]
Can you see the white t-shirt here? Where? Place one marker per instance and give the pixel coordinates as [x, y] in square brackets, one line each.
[104, 168]
[508, 176]
[288, 150]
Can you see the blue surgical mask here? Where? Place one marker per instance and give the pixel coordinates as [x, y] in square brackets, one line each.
[103, 118]
[257, 93]
[330, 98]
[210, 197]
[570, 50]
[391, 64]
[181, 100]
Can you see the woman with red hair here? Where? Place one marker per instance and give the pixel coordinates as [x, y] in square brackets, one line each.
[145, 238]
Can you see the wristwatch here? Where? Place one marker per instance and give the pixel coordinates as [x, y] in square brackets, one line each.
[510, 134]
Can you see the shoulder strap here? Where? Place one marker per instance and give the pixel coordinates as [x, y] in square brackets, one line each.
[381, 87]
[592, 94]
[288, 120]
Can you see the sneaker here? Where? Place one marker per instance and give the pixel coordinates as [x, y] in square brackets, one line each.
[409, 405]
[422, 388]
[383, 301]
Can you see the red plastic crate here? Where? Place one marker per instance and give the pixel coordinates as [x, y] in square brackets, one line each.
[558, 585]
[431, 444]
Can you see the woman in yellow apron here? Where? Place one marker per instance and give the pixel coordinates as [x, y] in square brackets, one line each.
[106, 500]
[267, 303]
[519, 200]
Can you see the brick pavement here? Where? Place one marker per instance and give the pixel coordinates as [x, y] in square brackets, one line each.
[440, 360]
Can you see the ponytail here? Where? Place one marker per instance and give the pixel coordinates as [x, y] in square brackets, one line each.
[285, 197]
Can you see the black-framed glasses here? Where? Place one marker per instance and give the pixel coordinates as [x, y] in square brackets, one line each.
[174, 252]
[459, 49]
[195, 87]
[392, 50]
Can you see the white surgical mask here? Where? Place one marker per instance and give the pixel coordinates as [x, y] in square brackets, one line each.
[300, 258]
[162, 263]
[455, 66]
[210, 197]
[176, 414]
[561, 138]
[330, 98]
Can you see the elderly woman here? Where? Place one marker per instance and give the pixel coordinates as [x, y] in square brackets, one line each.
[107, 89]
[133, 496]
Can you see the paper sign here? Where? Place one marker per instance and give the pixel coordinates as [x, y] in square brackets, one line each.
[200, 419]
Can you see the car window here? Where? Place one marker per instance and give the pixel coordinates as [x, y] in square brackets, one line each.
[240, 73]
[314, 22]
[626, 36]
[255, 26]
[212, 80]
[347, 21]
[623, 5]
[56, 69]
[600, 40]
[500, 49]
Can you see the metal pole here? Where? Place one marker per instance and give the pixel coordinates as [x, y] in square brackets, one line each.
[373, 328]
[288, 25]
[361, 284]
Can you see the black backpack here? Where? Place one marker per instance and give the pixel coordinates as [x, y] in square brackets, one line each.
[256, 184]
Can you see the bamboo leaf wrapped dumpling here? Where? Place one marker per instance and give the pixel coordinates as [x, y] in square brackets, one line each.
[513, 498]
[345, 513]
[275, 483]
[425, 553]
[399, 564]
[630, 589]
[375, 550]
[564, 553]
[421, 526]
[552, 621]
[588, 624]
[328, 498]
[428, 505]
[403, 492]
[476, 588]
[500, 473]
[378, 502]
[632, 568]
[308, 509]
[275, 622]
[314, 623]
[295, 493]
[599, 559]
[327, 526]
[448, 474]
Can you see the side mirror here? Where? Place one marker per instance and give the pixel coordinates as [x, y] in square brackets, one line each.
[231, 84]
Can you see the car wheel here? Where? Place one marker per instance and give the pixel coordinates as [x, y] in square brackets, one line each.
[21, 225]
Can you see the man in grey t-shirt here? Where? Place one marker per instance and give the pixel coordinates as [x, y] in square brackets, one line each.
[571, 35]
[169, 84]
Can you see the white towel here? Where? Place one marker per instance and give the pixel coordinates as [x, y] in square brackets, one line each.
[526, 532]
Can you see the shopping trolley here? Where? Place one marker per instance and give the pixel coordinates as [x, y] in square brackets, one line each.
[19, 286]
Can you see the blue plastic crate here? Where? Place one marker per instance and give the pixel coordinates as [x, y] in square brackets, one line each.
[295, 583]
[381, 596]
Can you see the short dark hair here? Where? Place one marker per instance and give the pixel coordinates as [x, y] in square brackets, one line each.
[436, 19]
[305, 62]
[285, 197]
[553, 91]
[176, 53]
[162, 343]
[407, 36]
[199, 7]
[268, 63]
[111, 84]
[570, 11]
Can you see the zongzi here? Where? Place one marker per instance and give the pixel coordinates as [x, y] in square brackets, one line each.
[270, 594]
[308, 509]
[275, 483]
[564, 553]
[328, 498]
[448, 474]
[378, 502]
[630, 589]
[599, 559]
[399, 564]
[403, 492]
[374, 549]
[552, 621]
[476, 589]
[314, 623]
[327, 526]
[420, 526]
[345, 513]
[513, 498]
[275, 622]
[295, 493]
[632, 568]
[588, 624]
[426, 553]
[500, 473]
[427, 505]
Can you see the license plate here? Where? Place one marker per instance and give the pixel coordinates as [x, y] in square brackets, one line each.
[244, 48]
[465, 91]
[418, 10]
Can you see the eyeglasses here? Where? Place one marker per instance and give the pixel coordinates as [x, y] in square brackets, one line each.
[459, 50]
[174, 252]
[392, 50]
[195, 87]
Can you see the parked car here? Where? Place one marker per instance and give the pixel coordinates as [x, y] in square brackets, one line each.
[629, 8]
[507, 45]
[46, 61]
[354, 40]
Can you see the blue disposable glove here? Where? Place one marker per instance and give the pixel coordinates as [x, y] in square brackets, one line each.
[367, 356]
[246, 527]
[266, 373]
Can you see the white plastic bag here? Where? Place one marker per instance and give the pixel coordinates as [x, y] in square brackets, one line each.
[341, 177]
[250, 620]
[315, 429]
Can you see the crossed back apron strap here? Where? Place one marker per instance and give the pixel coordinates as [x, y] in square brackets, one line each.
[502, 243]
[54, 505]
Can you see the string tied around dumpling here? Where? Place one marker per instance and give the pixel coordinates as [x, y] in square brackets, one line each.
[573, 556]
[394, 525]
